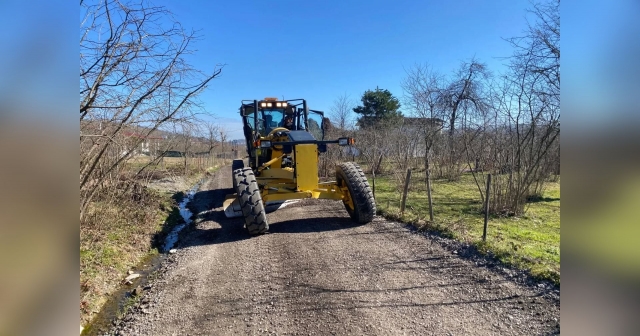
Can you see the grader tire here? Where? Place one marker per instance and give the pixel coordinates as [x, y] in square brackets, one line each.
[255, 217]
[235, 165]
[364, 205]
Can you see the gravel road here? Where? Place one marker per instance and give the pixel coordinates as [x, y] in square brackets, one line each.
[317, 273]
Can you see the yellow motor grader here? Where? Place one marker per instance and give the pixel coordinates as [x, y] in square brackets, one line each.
[284, 139]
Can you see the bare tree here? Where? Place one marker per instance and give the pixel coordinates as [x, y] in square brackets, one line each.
[222, 134]
[212, 134]
[423, 88]
[338, 124]
[403, 142]
[537, 51]
[463, 97]
[374, 145]
[134, 78]
[527, 113]
[187, 133]
[341, 113]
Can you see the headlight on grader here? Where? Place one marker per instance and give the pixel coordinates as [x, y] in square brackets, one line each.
[265, 144]
[346, 141]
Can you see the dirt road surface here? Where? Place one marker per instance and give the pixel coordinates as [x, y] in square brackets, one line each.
[317, 273]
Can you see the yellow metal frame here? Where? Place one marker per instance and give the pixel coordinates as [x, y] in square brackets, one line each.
[281, 184]
[281, 191]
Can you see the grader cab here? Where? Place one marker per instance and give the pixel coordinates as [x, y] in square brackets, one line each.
[284, 139]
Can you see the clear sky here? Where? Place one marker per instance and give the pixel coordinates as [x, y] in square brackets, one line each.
[319, 50]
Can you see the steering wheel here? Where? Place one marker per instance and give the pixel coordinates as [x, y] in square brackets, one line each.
[278, 129]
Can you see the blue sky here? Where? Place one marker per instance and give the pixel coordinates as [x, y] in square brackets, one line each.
[319, 50]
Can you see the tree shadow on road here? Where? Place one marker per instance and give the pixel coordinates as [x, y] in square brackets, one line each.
[207, 206]
[312, 224]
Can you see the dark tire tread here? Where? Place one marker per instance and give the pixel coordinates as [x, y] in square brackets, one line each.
[255, 217]
[235, 165]
[360, 191]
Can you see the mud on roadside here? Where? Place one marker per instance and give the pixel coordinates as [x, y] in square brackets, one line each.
[116, 296]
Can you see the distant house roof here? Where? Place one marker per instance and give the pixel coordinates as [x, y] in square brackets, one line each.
[141, 136]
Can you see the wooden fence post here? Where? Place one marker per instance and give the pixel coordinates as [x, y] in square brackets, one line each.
[406, 189]
[486, 209]
[429, 195]
[373, 174]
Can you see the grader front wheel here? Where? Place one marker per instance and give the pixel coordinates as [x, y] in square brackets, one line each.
[255, 217]
[235, 165]
[359, 201]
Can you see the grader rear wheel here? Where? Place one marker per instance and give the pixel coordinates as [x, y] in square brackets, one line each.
[255, 217]
[359, 202]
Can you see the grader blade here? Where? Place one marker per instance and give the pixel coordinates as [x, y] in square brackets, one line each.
[232, 208]
[272, 206]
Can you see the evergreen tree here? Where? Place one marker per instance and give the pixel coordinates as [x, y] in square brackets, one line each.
[378, 106]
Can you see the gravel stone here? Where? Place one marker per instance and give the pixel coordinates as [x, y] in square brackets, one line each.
[317, 272]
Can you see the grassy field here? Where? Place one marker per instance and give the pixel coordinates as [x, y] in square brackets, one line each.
[530, 241]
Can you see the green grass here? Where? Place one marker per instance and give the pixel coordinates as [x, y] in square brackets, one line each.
[530, 241]
[114, 238]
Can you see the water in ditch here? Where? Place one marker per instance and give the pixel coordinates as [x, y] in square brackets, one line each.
[103, 321]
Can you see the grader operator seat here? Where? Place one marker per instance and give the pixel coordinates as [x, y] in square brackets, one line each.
[269, 124]
[288, 121]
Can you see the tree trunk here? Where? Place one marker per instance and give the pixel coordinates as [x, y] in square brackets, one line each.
[428, 181]
[377, 166]
[186, 168]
